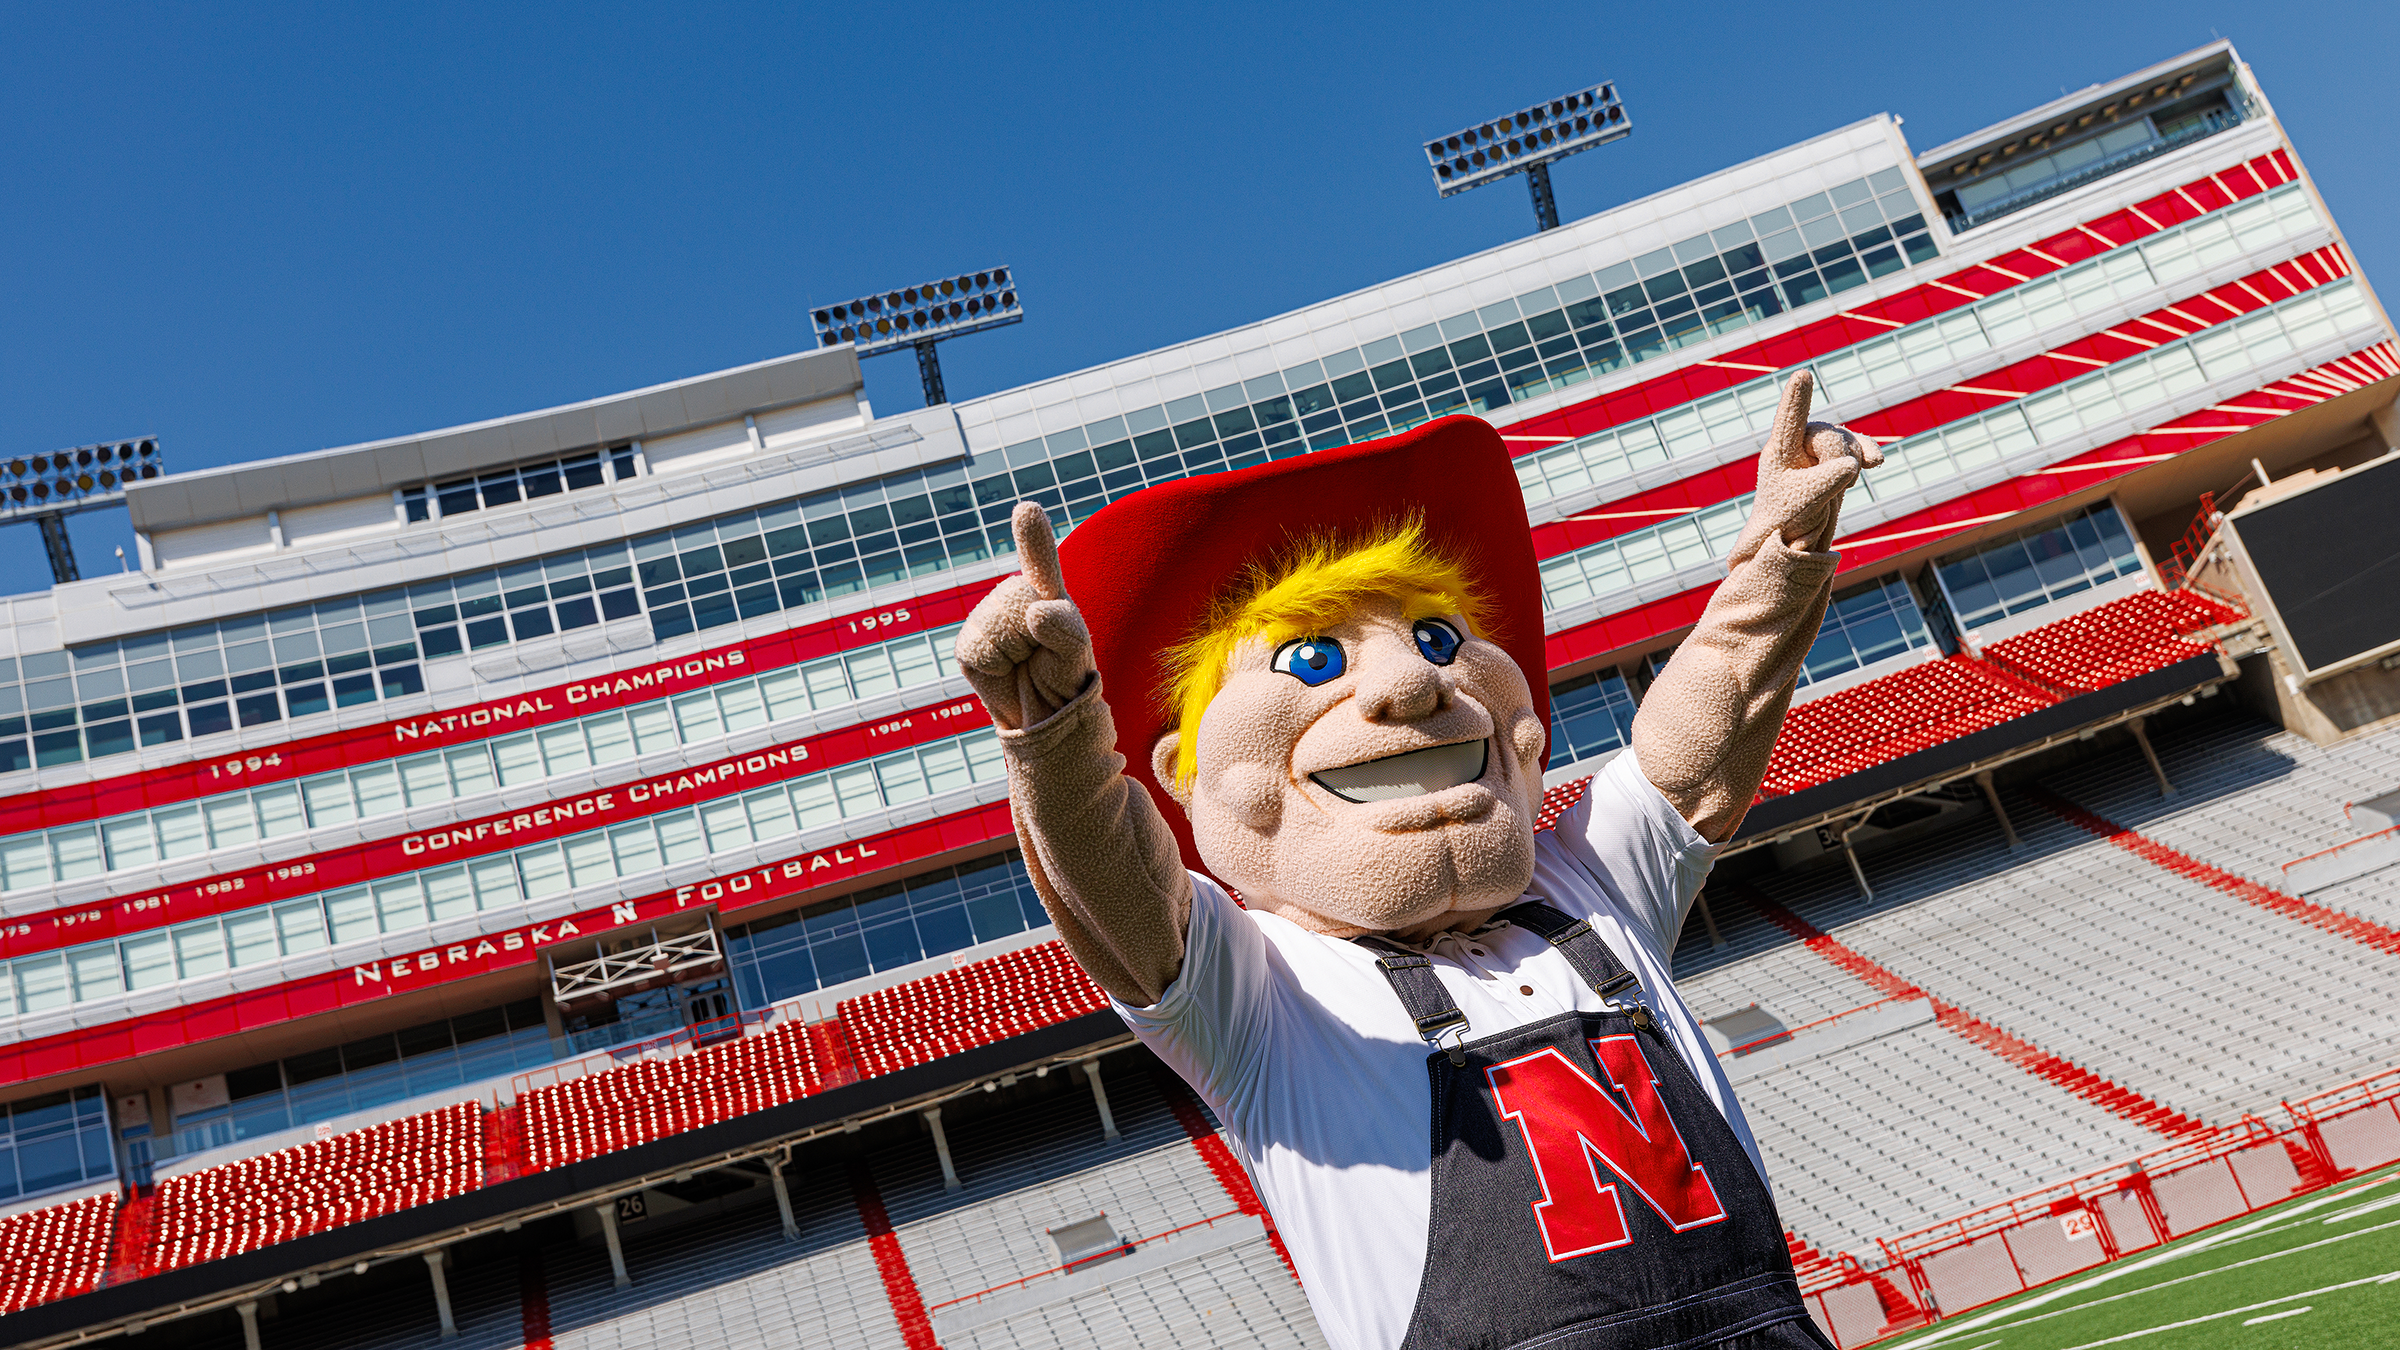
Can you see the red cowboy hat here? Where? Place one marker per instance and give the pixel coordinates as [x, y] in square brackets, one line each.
[1147, 569]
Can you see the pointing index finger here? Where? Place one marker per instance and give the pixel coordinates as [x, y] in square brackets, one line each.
[1789, 439]
[1037, 550]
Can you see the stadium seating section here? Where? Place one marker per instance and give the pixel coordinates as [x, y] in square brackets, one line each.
[651, 1098]
[1900, 714]
[924, 1020]
[2112, 643]
[52, 1253]
[2058, 940]
[275, 1197]
[1926, 705]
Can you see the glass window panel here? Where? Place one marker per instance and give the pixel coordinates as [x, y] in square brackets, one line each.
[517, 759]
[542, 870]
[426, 779]
[399, 903]
[983, 755]
[770, 813]
[854, 786]
[231, 820]
[589, 861]
[279, 810]
[95, 970]
[495, 880]
[653, 727]
[76, 852]
[471, 770]
[635, 846]
[679, 838]
[814, 800]
[24, 861]
[378, 787]
[252, 936]
[870, 672]
[727, 824]
[741, 705]
[41, 982]
[696, 715]
[610, 737]
[130, 841]
[181, 831]
[199, 948]
[352, 913]
[149, 960]
[563, 748]
[920, 661]
[827, 682]
[449, 892]
[945, 767]
[300, 925]
[328, 799]
[785, 693]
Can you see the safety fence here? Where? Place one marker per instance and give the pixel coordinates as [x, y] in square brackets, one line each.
[2070, 1226]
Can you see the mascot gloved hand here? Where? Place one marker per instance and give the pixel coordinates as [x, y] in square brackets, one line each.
[1445, 1043]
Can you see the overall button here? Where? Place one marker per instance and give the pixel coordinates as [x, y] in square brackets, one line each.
[1526, 990]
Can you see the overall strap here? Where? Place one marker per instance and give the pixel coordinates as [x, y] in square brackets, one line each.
[1585, 951]
[1420, 991]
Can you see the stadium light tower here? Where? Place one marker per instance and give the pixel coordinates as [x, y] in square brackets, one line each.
[46, 489]
[1529, 141]
[920, 316]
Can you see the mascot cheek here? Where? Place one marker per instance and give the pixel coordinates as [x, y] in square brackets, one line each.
[1527, 734]
[1250, 793]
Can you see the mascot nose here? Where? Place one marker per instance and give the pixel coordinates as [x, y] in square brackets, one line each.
[1401, 688]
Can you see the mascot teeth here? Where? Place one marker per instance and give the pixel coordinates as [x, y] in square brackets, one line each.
[1411, 774]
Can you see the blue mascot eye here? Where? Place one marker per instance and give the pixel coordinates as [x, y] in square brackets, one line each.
[1437, 640]
[1311, 661]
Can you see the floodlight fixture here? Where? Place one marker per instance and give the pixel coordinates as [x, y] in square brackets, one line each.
[48, 488]
[919, 316]
[1529, 141]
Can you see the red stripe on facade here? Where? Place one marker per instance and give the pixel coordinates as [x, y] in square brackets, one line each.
[1908, 418]
[2070, 246]
[485, 835]
[1219, 1159]
[73, 803]
[501, 948]
[2319, 917]
[2119, 1101]
[1647, 622]
[908, 1304]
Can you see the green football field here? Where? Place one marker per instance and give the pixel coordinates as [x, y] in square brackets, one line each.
[2323, 1270]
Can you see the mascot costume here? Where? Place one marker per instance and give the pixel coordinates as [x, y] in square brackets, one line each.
[1275, 742]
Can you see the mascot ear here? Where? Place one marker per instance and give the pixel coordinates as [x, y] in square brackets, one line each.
[1162, 764]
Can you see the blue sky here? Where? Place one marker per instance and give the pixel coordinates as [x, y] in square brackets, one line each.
[268, 229]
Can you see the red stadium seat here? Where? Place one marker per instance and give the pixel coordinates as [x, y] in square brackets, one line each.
[255, 1202]
[55, 1253]
[2112, 643]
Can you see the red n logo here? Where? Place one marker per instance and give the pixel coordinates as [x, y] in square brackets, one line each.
[1573, 1128]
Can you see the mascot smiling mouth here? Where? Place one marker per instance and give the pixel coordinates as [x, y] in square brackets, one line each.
[1412, 773]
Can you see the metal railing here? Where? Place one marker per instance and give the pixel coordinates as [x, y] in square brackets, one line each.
[2131, 1205]
[2222, 119]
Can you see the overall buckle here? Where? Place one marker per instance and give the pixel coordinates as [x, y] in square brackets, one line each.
[1448, 1032]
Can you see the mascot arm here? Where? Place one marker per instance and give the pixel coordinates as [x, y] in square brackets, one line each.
[1102, 858]
[1707, 727]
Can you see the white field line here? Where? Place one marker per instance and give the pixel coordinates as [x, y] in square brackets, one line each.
[2277, 1317]
[2368, 1208]
[2200, 1275]
[2119, 1269]
[2385, 1278]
